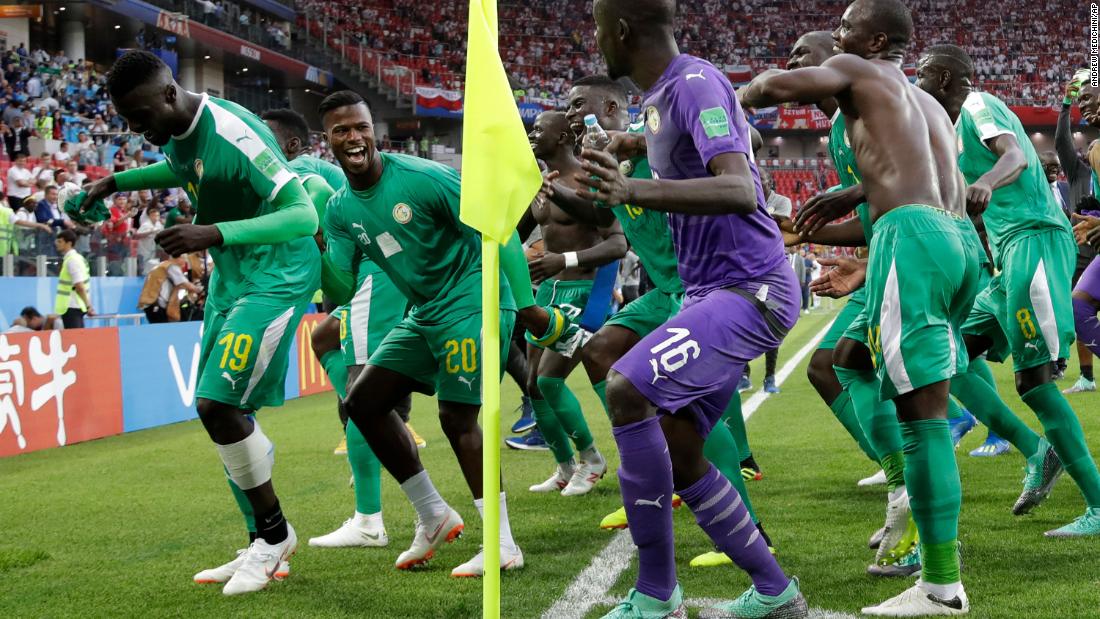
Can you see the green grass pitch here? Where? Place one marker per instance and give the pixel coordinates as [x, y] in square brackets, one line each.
[116, 527]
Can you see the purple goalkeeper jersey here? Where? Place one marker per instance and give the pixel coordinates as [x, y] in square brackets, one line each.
[692, 116]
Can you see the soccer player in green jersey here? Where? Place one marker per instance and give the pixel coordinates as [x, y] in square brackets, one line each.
[256, 220]
[344, 339]
[565, 271]
[1026, 311]
[403, 213]
[649, 236]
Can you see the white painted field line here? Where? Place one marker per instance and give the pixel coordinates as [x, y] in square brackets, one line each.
[590, 587]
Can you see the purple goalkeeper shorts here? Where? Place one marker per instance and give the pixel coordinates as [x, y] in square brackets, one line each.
[1089, 283]
[692, 363]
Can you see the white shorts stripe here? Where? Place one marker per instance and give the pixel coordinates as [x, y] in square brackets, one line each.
[1044, 309]
[273, 334]
[360, 320]
[890, 333]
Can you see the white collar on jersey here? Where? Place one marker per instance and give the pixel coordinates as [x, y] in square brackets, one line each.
[195, 120]
[836, 115]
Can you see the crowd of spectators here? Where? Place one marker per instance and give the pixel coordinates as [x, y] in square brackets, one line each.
[1024, 50]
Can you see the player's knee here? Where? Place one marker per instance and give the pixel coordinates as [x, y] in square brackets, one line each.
[457, 422]
[249, 461]
[533, 386]
[597, 357]
[1031, 378]
[326, 337]
[820, 369]
[624, 402]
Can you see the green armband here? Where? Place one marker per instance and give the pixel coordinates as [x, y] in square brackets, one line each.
[156, 176]
[514, 264]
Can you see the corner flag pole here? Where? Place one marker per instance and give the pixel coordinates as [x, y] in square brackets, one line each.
[490, 387]
[500, 177]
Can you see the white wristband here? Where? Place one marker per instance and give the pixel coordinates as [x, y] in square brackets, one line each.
[571, 259]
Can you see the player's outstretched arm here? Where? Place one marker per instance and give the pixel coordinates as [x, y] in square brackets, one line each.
[808, 85]
[1011, 162]
[294, 217]
[844, 234]
[729, 190]
[830, 205]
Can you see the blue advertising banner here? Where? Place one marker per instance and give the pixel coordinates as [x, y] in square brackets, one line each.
[160, 367]
[160, 371]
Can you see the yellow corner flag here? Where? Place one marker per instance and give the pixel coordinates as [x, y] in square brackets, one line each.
[500, 177]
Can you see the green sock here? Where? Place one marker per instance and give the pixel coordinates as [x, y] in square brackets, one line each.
[552, 431]
[983, 401]
[954, 411]
[845, 413]
[894, 467]
[935, 496]
[722, 451]
[242, 504]
[601, 392]
[980, 368]
[1063, 430]
[736, 425]
[333, 362]
[878, 419]
[568, 410]
[367, 471]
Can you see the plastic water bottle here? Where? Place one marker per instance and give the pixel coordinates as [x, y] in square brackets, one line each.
[595, 138]
[594, 135]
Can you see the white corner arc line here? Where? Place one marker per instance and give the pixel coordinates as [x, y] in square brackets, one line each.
[590, 587]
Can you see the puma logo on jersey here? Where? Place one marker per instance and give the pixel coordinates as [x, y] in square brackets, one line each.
[232, 381]
[698, 75]
[656, 373]
[645, 502]
[1032, 345]
[363, 237]
[469, 382]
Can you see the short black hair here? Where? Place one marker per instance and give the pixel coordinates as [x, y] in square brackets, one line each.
[18, 156]
[132, 69]
[339, 99]
[952, 57]
[67, 235]
[30, 312]
[291, 121]
[606, 84]
[893, 18]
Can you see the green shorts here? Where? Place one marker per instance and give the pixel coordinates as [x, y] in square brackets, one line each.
[850, 319]
[373, 312]
[922, 277]
[444, 357]
[569, 296]
[245, 351]
[1027, 310]
[649, 311]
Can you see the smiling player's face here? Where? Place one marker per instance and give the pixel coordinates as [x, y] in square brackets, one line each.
[350, 131]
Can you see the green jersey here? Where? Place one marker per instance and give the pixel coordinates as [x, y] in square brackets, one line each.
[1027, 204]
[408, 224]
[844, 160]
[648, 231]
[305, 166]
[231, 168]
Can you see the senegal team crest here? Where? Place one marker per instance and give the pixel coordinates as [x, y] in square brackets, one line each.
[198, 168]
[402, 214]
[653, 119]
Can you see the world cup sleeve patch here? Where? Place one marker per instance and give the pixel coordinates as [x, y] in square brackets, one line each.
[715, 122]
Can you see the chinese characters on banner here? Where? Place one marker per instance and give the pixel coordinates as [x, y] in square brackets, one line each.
[58, 388]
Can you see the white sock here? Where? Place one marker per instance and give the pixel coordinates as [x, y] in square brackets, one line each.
[944, 592]
[371, 521]
[424, 497]
[592, 455]
[896, 493]
[506, 541]
[567, 468]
